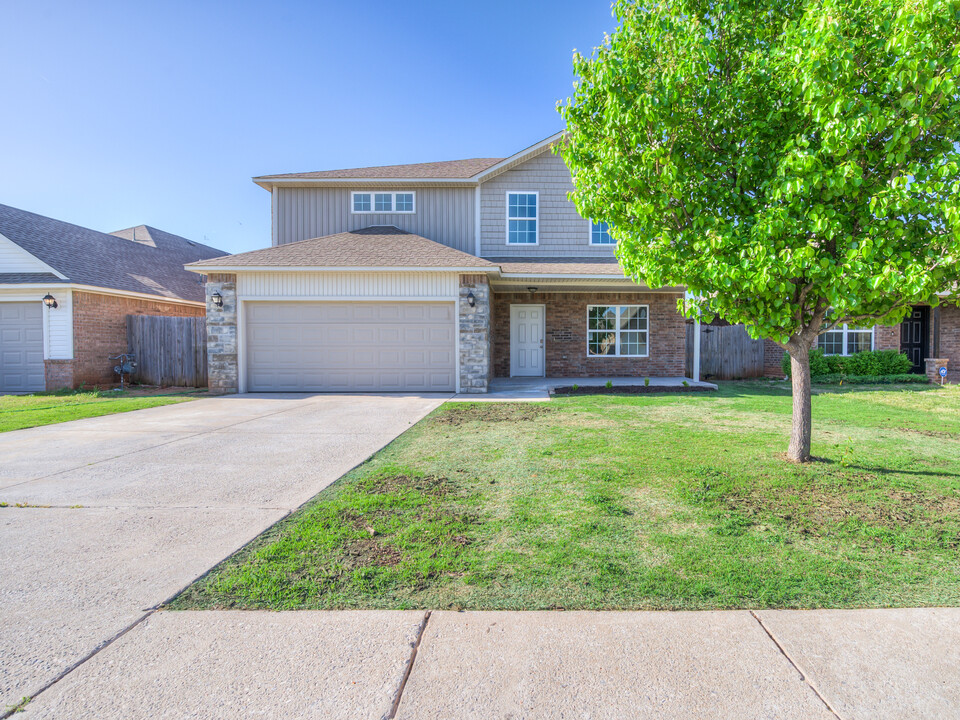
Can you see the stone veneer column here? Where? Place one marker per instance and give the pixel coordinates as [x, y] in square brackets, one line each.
[223, 374]
[474, 334]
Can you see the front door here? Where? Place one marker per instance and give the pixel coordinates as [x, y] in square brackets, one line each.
[914, 337]
[526, 340]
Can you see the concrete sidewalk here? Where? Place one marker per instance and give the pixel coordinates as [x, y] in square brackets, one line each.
[807, 665]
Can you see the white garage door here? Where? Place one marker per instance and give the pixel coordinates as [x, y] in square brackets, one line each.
[21, 347]
[350, 346]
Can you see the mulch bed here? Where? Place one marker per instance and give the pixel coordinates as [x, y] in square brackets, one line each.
[628, 389]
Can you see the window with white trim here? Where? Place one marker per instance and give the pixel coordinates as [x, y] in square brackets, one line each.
[383, 202]
[846, 340]
[600, 234]
[522, 218]
[618, 330]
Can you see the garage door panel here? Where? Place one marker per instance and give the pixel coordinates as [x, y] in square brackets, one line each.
[21, 355]
[350, 347]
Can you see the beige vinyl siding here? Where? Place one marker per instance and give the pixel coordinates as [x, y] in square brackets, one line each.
[301, 285]
[562, 232]
[444, 215]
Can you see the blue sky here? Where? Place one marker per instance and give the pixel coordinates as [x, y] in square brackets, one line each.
[116, 114]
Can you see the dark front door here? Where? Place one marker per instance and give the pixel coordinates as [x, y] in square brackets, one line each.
[915, 337]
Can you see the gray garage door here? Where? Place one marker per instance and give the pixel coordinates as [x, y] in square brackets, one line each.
[350, 346]
[21, 347]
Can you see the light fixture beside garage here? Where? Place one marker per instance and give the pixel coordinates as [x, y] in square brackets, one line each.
[531, 290]
[217, 299]
[471, 300]
[50, 301]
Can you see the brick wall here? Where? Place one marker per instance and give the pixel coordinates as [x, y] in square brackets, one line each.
[565, 350]
[950, 340]
[58, 374]
[100, 330]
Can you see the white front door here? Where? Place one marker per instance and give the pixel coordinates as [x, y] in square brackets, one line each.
[526, 340]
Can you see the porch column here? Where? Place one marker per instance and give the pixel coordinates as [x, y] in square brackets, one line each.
[474, 329]
[222, 365]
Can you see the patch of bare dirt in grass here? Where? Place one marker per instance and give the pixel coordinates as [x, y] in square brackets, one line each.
[457, 415]
[815, 507]
[931, 433]
[367, 552]
[397, 484]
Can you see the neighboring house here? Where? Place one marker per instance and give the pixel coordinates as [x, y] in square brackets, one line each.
[434, 276]
[925, 334]
[92, 281]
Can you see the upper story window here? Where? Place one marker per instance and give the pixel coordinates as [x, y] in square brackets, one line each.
[522, 218]
[382, 202]
[845, 340]
[600, 234]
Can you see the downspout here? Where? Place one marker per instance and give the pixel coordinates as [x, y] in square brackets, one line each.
[696, 346]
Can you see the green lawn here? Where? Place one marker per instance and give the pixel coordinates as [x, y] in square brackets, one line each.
[24, 411]
[630, 502]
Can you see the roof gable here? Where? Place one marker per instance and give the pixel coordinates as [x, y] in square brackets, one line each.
[14, 259]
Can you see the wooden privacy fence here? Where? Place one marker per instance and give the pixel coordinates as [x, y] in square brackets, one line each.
[169, 350]
[726, 352]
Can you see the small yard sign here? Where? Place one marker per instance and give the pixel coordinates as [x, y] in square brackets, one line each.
[943, 374]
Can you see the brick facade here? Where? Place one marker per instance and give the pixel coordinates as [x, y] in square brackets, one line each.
[58, 374]
[566, 334]
[100, 330]
[949, 340]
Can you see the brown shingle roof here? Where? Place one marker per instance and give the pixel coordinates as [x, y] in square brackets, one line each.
[377, 246]
[88, 257]
[445, 170]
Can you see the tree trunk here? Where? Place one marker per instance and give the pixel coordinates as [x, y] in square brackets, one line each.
[799, 450]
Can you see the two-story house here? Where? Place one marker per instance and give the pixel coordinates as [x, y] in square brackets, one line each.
[432, 277]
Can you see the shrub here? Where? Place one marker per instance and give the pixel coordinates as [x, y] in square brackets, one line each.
[836, 379]
[818, 363]
[873, 363]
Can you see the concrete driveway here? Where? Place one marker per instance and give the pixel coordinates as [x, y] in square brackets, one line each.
[123, 511]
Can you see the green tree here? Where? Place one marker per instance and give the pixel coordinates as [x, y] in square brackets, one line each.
[793, 163]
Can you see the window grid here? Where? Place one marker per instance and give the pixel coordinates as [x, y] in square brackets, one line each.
[383, 202]
[845, 340]
[600, 234]
[618, 331]
[522, 215]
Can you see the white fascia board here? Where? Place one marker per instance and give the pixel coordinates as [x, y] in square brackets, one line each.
[310, 268]
[53, 288]
[517, 157]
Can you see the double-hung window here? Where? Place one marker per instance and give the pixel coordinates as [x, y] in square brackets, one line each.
[383, 202]
[522, 218]
[846, 340]
[600, 234]
[618, 330]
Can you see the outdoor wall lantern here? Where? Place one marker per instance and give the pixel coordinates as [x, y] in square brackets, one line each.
[532, 290]
[217, 299]
[50, 301]
[471, 300]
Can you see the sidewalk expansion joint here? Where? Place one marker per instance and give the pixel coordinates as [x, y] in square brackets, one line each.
[803, 675]
[406, 673]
